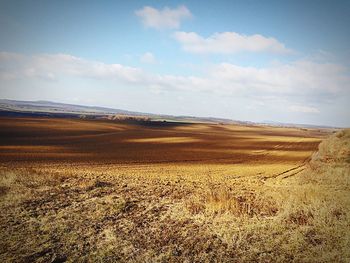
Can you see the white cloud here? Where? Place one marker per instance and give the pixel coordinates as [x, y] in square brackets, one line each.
[228, 42]
[302, 77]
[51, 66]
[303, 109]
[148, 58]
[164, 18]
[297, 82]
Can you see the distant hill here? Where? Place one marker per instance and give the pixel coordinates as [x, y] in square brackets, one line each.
[286, 124]
[55, 109]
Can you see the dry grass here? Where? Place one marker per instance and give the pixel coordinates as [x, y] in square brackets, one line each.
[261, 210]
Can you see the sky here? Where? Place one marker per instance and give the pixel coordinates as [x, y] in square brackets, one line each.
[283, 61]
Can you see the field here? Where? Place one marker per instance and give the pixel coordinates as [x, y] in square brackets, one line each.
[77, 190]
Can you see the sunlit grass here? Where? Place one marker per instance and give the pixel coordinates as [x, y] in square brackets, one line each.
[283, 210]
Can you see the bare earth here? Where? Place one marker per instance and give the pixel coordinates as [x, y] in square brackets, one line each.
[103, 191]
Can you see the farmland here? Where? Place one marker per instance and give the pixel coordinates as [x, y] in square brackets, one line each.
[105, 191]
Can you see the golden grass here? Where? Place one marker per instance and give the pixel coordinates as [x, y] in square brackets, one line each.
[260, 210]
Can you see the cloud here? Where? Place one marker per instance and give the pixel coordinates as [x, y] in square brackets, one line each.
[148, 58]
[301, 78]
[299, 83]
[164, 18]
[303, 109]
[228, 43]
[54, 66]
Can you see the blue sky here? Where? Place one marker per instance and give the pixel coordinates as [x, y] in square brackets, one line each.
[246, 60]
